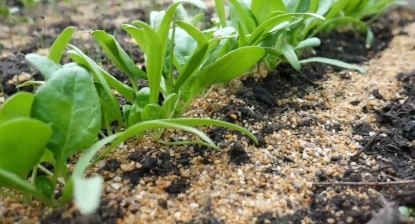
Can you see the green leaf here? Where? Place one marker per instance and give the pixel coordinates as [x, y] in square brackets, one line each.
[211, 122]
[90, 155]
[229, 66]
[262, 9]
[184, 46]
[198, 3]
[151, 112]
[109, 113]
[167, 109]
[87, 193]
[70, 103]
[198, 55]
[290, 55]
[87, 158]
[18, 105]
[117, 55]
[143, 97]
[134, 115]
[45, 66]
[44, 186]
[151, 44]
[22, 143]
[126, 91]
[12, 180]
[58, 47]
[220, 11]
[334, 62]
[308, 43]
[104, 79]
[243, 16]
[279, 21]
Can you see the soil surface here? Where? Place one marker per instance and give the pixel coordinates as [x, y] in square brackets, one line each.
[335, 146]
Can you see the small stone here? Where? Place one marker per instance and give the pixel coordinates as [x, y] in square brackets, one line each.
[128, 167]
[194, 205]
[331, 220]
[116, 186]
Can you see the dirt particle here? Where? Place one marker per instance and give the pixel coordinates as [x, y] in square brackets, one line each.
[238, 154]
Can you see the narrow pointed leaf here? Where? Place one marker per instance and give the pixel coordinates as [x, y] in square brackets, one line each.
[334, 62]
[117, 55]
[220, 11]
[58, 47]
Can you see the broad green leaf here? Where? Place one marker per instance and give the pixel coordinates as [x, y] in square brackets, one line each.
[104, 79]
[117, 55]
[58, 47]
[229, 66]
[262, 9]
[133, 115]
[18, 105]
[151, 111]
[143, 97]
[44, 186]
[22, 143]
[70, 103]
[134, 112]
[334, 62]
[87, 193]
[184, 46]
[45, 66]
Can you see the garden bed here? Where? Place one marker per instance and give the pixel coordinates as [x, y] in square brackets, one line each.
[332, 143]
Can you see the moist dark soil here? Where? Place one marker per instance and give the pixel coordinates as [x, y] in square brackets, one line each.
[389, 141]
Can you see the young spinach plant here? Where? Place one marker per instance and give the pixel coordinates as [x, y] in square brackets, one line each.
[175, 75]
